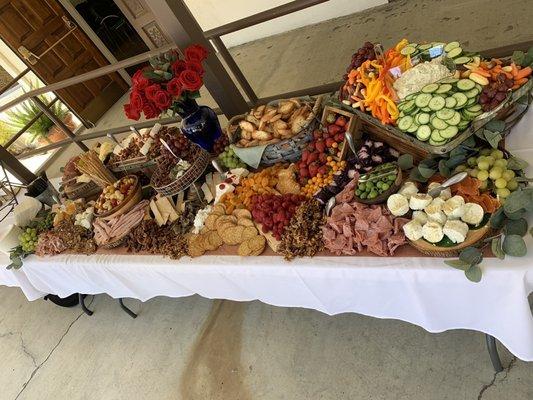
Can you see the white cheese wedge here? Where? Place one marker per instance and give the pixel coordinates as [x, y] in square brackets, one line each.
[207, 193]
[157, 214]
[209, 181]
[455, 230]
[413, 230]
[420, 216]
[398, 204]
[419, 201]
[432, 232]
[435, 206]
[473, 213]
[439, 217]
[408, 189]
[453, 207]
[166, 209]
[217, 179]
[155, 129]
[146, 146]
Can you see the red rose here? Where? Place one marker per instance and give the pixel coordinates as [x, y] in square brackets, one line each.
[195, 53]
[132, 112]
[139, 80]
[162, 100]
[150, 110]
[190, 80]
[174, 87]
[136, 99]
[196, 67]
[178, 67]
[151, 90]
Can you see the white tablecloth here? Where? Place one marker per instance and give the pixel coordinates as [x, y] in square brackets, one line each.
[422, 291]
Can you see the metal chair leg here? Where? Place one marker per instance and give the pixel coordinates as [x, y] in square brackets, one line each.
[493, 353]
[126, 309]
[83, 306]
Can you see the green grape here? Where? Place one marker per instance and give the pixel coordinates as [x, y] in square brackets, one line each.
[483, 175]
[460, 168]
[503, 192]
[508, 174]
[500, 183]
[490, 160]
[495, 173]
[472, 161]
[473, 172]
[497, 154]
[502, 163]
[483, 165]
[485, 152]
[512, 185]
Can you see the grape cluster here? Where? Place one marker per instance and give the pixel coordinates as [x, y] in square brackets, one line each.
[28, 240]
[220, 144]
[495, 92]
[364, 53]
[230, 160]
[491, 169]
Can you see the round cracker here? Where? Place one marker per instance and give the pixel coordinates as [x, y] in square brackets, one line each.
[249, 232]
[242, 213]
[244, 250]
[256, 243]
[245, 222]
[219, 209]
[233, 235]
[225, 219]
[214, 240]
[211, 220]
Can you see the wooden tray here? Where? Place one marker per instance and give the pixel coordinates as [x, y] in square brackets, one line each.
[352, 124]
[473, 237]
[127, 204]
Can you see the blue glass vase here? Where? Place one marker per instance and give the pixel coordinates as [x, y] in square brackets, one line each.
[199, 124]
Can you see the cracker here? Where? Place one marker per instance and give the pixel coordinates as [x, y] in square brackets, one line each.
[256, 244]
[244, 250]
[245, 222]
[233, 235]
[211, 220]
[219, 209]
[214, 240]
[196, 246]
[225, 219]
[249, 232]
[242, 213]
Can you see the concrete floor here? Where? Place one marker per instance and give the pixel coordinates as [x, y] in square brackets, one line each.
[193, 348]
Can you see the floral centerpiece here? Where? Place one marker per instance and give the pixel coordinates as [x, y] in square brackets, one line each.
[173, 83]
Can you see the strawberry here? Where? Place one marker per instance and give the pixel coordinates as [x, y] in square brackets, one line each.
[334, 129]
[320, 146]
[341, 121]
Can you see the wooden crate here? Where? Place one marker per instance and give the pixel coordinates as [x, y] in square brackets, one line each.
[353, 124]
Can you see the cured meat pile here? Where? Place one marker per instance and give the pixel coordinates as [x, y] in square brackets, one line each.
[354, 227]
[65, 236]
[106, 232]
[49, 244]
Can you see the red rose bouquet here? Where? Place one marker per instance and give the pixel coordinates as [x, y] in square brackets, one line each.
[166, 83]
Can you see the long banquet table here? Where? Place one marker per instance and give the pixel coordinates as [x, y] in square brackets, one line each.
[419, 290]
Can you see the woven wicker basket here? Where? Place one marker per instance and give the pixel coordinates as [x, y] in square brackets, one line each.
[289, 150]
[83, 190]
[201, 161]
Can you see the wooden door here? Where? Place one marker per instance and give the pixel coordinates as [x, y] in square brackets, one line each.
[143, 21]
[37, 25]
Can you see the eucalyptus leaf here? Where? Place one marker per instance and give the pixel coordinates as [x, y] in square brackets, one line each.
[495, 125]
[497, 219]
[523, 179]
[414, 175]
[516, 215]
[516, 163]
[455, 161]
[471, 255]
[459, 151]
[514, 245]
[516, 201]
[426, 172]
[496, 247]
[516, 227]
[518, 57]
[469, 143]
[444, 170]
[493, 138]
[458, 264]
[405, 161]
[474, 273]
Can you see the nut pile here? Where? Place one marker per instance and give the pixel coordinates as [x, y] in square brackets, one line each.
[268, 124]
[220, 228]
[149, 237]
[68, 236]
[303, 236]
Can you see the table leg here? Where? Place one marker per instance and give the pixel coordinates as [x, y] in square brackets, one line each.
[126, 309]
[83, 306]
[493, 353]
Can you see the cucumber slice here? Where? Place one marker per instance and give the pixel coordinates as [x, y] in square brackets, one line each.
[432, 87]
[424, 47]
[463, 125]
[445, 114]
[426, 109]
[475, 108]
[437, 103]
[439, 123]
[444, 88]
[455, 120]
[413, 128]
[472, 93]
[454, 53]
[434, 143]
[450, 102]
[422, 118]
[423, 133]
[461, 99]
[410, 96]
[466, 84]
[408, 106]
[436, 136]
[471, 102]
[449, 80]
[449, 132]
[479, 87]
[405, 123]
[450, 46]
[462, 60]
[408, 50]
[422, 100]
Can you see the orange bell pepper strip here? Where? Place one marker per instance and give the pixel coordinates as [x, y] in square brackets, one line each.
[523, 73]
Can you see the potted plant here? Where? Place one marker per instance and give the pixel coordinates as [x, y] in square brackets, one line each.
[173, 83]
[43, 129]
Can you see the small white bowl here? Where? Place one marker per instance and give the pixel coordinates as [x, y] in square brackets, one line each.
[9, 238]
